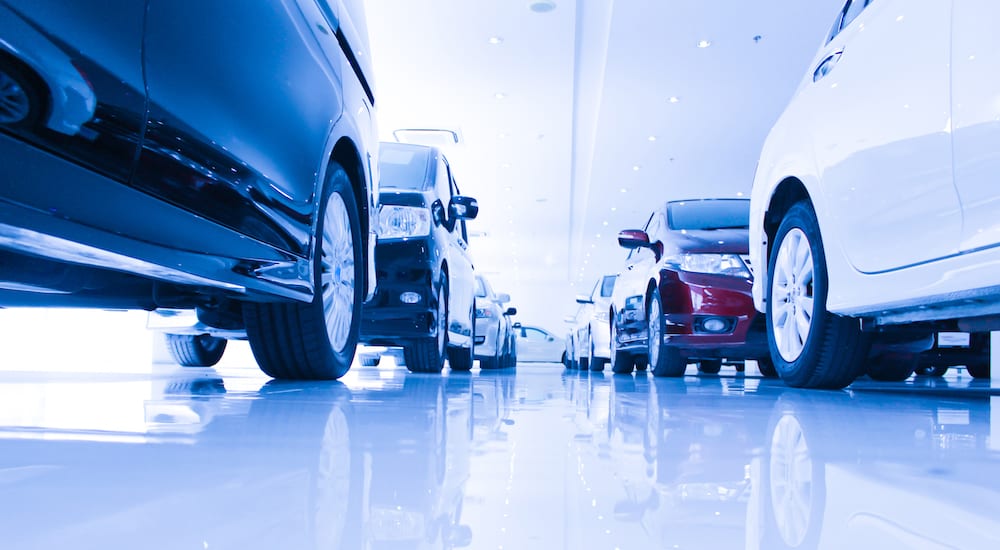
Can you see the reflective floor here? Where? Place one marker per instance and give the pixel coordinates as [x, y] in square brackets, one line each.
[537, 457]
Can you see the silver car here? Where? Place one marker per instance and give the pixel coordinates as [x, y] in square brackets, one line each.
[496, 347]
[591, 330]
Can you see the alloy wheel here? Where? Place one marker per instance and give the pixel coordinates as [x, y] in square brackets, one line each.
[337, 272]
[15, 105]
[792, 294]
[654, 336]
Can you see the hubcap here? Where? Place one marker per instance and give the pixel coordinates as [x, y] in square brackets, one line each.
[791, 481]
[14, 102]
[792, 294]
[337, 272]
[655, 337]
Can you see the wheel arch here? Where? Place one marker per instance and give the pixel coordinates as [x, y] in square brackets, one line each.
[787, 193]
[45, 109]
[346, 153]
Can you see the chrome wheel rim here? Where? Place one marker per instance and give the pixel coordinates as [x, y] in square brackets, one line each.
[791, 481]
[15, 105]
[654, 336]
[792, 294]
[337, 272]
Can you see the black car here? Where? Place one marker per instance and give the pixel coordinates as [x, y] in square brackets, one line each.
[202, 156]
[425, 301]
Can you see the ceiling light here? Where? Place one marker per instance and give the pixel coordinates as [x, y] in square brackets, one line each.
[704, 43]
[500, 95]
[605, 222]
[505, 165]
[495, 40]
[598, 235]
[508, 188]
[674, 99]
[739, 193]
[651, 138]
[501, 135]
[542, 6]
[623, 190]
[635, 167]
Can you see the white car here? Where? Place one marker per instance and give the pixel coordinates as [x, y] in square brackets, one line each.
[875, 214]
[535, 344]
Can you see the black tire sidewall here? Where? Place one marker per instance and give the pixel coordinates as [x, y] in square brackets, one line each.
[798, 372]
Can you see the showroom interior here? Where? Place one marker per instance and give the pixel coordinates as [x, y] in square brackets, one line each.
[821, 379]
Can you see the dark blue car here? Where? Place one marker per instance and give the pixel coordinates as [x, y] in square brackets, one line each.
[208, 156]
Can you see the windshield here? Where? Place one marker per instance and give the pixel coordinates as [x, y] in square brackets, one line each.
[404, 166]
[709, 214]
[480, 288]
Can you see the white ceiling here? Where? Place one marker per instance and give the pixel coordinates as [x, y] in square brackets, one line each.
[568, 130]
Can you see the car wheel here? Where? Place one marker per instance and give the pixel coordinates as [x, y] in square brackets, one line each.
[812, 347]
[597, 364]
[460, 358]
[665, 360]
[21, 98]
[369, 359]
[980, 341]
[892, 367]
[978, 370]
[931, 371]
[741, 366]
[640, 364]
[766, 367]
[317, 340]
[622, 362]
[710, 366]
[200, 350]
[428, 355]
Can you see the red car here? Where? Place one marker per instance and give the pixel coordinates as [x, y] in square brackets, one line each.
[685, 293]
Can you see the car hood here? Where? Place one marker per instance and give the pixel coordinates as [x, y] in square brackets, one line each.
[715, 241]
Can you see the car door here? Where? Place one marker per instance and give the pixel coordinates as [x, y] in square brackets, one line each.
[243, 98]
[461, 271]
[876, 106]
[976, 110]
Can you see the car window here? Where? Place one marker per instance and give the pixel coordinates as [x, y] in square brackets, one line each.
[847, 14]
[608, 285]
[710, 214]
[403, 166]
[442, 185]
[533, 334]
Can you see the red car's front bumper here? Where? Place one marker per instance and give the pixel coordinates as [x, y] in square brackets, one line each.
[706, 317]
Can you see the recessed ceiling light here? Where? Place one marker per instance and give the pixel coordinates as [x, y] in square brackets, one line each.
[613, 208]
[501, 135]
[598, 235]
[623, 190]
[605, 223]
[739, 193]
[704, 43]
[500, 95]
[674, 99]
[508, 188]
[505, 165]
[496, 40]
[651, 138]
[635, 167]
[542, 6]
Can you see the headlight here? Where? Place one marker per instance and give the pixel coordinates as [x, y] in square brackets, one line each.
[713, 264]
[483, 313]
[403, 222]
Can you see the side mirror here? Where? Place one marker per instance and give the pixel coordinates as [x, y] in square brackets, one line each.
[502, 298]
[463, 207]
[634, 238]
[511, 311]
[583, 299]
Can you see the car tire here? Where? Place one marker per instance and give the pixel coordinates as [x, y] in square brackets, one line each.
[369, 359]
[664, 360]
[22, 101]
[597, 364]
[980, 342]
[741, 366]
[427, 355]
[641, 364]
[832, 351]
[489, 363]
[459, 358]
[317, 340]
[622, 362]
[195, 350]
[892, 367]
[978, 370]
[766, 367]
[710, 366]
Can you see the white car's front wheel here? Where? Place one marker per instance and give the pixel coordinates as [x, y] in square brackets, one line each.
[811, 347]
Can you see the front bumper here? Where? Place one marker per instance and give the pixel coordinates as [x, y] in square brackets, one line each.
[692, 302]
[487, 344]
[402, 267]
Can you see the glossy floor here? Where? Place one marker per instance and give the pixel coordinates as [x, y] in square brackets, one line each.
[537, 457]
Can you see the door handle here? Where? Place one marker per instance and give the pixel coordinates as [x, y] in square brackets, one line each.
[827, 65]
